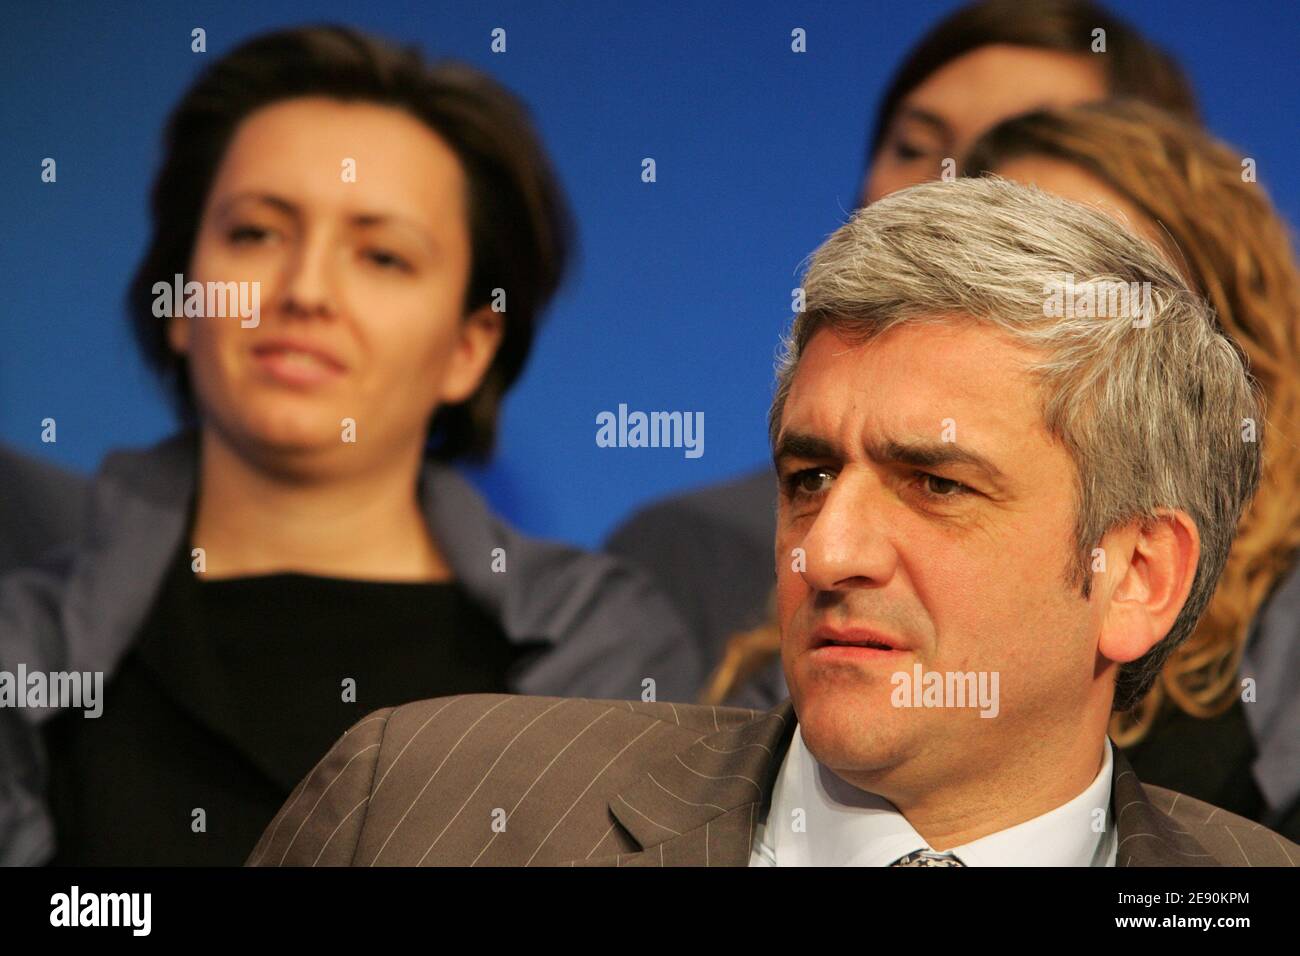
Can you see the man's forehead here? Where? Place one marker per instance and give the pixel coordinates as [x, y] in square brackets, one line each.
[933, 361]
[963, 383]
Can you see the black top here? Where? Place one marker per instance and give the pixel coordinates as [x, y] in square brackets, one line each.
[234, 690]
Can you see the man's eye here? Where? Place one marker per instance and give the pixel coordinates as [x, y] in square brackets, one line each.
[808, 482]
[947, 488]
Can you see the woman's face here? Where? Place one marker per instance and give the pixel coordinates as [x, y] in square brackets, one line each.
[351, 218]
[943, 117]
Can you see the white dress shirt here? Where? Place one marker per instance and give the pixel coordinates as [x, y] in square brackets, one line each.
[841, 825]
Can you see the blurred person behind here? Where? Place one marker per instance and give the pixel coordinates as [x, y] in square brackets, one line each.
[303, 551]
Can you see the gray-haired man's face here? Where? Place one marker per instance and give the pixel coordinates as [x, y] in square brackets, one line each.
[925, 505]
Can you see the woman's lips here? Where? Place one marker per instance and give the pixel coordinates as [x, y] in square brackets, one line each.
[296, 367]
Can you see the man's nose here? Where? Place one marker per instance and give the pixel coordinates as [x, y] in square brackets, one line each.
[848, 544]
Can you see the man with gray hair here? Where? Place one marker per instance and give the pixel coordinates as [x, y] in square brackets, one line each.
[1012, 449]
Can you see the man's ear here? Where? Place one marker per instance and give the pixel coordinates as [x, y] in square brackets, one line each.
[481, 333]
[178, 334]
[1156, 564]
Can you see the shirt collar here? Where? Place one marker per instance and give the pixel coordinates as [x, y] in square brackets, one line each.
[817, 819]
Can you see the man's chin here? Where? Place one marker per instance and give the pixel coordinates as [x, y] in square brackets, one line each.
[848, 730]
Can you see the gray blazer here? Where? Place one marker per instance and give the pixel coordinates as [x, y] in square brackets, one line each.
[496, 780]
[605, 625]
[40, 508]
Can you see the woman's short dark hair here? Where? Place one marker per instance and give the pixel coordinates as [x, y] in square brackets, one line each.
[519, 223]
[1135, 68]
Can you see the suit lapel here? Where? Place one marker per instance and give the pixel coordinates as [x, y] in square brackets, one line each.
[698, 806]
[1146, 836]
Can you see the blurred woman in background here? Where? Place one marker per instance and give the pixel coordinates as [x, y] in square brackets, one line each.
[991, 60]
[303, 554]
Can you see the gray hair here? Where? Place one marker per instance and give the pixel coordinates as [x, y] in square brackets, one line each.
[1156, 413]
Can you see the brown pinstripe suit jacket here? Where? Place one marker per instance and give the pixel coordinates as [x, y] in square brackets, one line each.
[501, 780]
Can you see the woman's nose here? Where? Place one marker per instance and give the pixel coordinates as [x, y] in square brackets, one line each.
[308, 288]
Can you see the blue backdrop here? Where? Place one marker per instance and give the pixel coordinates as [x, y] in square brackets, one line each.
[683, 286]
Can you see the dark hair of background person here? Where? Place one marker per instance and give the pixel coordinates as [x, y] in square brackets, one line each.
[1234, 248]
[520, 227]
[1134, 67]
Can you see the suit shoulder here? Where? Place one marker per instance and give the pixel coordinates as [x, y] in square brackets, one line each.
[488, 715]
[705, 718]
[320, 823]
[472, 728]
[1191, 812]
[1233, 840]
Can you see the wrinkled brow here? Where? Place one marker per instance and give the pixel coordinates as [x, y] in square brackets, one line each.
[918, 454]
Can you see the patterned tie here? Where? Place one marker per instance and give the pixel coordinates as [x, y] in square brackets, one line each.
[928, 858]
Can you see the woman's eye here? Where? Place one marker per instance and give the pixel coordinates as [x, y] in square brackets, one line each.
[906, 152]
[388, 260]
[247, 234]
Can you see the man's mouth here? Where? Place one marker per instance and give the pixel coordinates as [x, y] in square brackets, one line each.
[862, 639]
[876, 644]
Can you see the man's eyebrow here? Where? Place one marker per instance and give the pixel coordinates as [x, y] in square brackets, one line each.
[934, 454]
[918, 454]
[803, 445]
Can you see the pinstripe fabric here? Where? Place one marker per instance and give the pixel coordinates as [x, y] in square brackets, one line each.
[501, 780]
[1159, 827]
